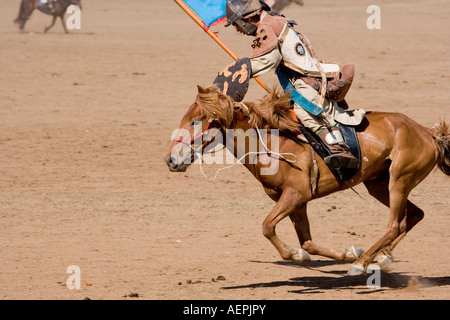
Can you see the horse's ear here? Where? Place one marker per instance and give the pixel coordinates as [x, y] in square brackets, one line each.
[201, 89]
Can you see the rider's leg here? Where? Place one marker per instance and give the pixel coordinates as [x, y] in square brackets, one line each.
[340, 153]
[332, 138]
[324, 125]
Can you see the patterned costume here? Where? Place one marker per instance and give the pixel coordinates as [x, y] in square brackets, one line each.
[277, 46]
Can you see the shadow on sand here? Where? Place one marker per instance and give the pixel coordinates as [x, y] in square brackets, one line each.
[338, 280]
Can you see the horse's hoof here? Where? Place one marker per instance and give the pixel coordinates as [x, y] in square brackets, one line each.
[353, 253]
[373, 267]
[384, 259]
[356, 270]
[301, 256]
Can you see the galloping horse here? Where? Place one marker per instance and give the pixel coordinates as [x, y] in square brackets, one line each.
[60, 7]
[398, 154]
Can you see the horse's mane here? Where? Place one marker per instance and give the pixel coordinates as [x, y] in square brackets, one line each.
[270, 112]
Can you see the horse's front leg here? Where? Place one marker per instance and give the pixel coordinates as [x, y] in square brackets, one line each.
[64, 24]
[22, 24]
[288, 203]
[53, 23]
[300, 221]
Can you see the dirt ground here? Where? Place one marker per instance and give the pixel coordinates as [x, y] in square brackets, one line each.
[86, 119]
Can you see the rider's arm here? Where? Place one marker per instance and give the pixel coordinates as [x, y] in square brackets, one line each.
[266, 62]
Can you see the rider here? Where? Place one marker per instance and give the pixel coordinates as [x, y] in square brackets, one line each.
[47, 3]
[277, 46]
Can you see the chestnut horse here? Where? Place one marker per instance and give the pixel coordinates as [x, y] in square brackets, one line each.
[398, 154]
[60, 7]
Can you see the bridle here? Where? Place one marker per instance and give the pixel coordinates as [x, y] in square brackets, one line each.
[196, 151]
[200, 135]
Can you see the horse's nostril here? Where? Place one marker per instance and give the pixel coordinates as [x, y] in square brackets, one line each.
[170, 161]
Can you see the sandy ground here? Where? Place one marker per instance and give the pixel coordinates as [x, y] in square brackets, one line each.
[86, 119]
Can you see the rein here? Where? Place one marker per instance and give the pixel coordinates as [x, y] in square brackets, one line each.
[267, 151]
[197, 136]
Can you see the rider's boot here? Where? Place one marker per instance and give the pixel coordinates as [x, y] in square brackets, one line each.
[340, 157]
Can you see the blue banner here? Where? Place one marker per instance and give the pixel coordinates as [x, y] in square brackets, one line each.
[208, 10]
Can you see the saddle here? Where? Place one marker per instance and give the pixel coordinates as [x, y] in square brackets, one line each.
[350, 138]
[45, 7]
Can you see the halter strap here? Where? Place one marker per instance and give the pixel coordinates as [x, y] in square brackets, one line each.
[197, 136]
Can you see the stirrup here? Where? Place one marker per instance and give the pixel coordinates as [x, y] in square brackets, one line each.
[341, 160]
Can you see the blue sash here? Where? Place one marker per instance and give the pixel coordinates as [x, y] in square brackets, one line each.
[296, 96]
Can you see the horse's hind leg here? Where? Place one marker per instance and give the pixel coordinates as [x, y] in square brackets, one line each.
[22, 25]
[379, 189]
[64, 24]
[50, 26]
[407, 170]
[24, 20]
[413, 215]
[398, 193]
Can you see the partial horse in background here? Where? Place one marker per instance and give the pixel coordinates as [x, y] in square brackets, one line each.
[279, 5]
[60, 7]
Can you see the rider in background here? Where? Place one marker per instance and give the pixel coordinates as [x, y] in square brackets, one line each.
[47, 3]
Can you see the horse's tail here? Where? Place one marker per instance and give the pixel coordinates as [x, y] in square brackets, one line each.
[442, 138]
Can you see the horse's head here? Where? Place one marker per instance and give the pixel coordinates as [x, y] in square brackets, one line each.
[209, 114]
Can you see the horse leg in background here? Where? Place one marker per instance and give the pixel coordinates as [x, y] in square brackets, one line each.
[63, 23]
[288, 203]
[25, 11]
[22, 24]
[300, 221]
[50, 26]
[378, 188]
